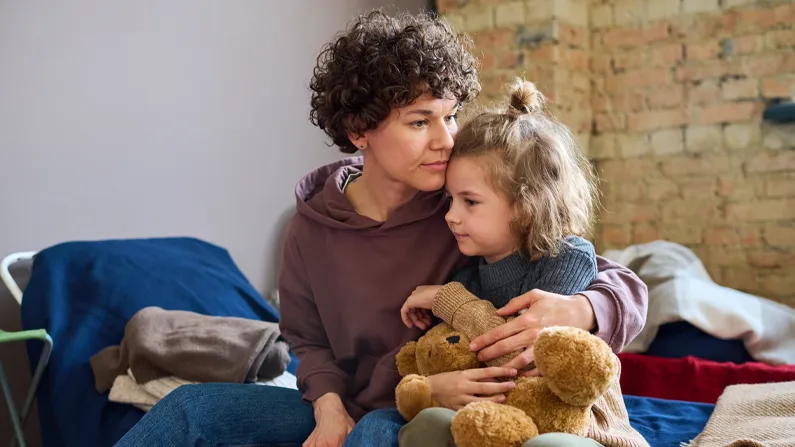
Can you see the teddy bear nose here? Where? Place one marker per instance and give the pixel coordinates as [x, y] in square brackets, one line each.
[453, 339]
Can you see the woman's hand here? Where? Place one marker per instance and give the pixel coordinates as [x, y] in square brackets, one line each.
[456, 389]
[416, 311]
[538, 310]
[332, 423]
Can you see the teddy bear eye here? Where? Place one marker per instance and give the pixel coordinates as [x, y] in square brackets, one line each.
[453, 339]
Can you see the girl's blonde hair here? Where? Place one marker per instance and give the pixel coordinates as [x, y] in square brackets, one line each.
[534, 160]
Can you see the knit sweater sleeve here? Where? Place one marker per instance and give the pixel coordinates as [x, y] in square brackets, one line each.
[571, 271]
[468, 314]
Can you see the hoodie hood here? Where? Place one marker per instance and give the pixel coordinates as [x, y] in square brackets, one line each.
[319, 196]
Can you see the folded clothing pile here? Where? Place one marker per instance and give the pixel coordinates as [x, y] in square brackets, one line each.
[682, 291]
[163, 349]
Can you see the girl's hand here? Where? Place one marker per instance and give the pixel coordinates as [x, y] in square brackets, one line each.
[539, 309]
[456, 389]
[332, 423]
[416, 311]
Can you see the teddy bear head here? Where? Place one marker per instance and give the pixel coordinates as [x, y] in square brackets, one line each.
[441, 349]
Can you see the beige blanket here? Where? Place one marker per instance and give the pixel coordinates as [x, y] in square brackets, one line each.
[160, 343]
[758, 415]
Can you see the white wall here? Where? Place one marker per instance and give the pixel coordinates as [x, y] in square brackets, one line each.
[153, 118]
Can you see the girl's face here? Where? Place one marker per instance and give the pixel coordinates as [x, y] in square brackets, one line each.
[479, 217]
[412, 145]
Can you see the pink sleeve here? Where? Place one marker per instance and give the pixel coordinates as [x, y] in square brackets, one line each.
[620, 301]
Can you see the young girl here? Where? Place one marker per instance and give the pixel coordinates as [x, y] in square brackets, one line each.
[522, 195]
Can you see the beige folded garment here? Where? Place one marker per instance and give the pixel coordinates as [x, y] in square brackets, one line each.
[758, 415]
[125, 390]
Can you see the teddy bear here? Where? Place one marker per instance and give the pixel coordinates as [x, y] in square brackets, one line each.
[576, 369]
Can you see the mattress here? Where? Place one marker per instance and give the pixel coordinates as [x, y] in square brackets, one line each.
[83, 293]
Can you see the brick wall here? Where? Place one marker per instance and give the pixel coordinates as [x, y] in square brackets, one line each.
[666, 97]
[545, 41]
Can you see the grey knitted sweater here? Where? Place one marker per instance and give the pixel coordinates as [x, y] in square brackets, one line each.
[571, 271]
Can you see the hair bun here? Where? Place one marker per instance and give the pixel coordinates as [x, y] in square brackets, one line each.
[525, 97]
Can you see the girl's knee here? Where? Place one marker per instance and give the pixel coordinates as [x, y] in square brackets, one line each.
[431, 427]
[434, 417]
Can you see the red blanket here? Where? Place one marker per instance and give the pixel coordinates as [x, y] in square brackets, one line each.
[692, 379]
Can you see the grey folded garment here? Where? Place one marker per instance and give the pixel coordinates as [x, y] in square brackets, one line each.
[160, 343]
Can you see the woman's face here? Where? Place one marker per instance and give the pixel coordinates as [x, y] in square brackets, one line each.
[412, 145]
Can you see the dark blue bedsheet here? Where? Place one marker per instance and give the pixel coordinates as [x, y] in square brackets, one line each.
[83, 293]
[681, 339]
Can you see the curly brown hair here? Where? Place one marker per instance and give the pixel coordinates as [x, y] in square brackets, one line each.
[382, 62]
[533, 159]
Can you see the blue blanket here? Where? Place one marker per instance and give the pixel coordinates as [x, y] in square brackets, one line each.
[666, 423]
[84, 293]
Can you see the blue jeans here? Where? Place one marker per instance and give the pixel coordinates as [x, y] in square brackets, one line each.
[377, 428]
[230, 414]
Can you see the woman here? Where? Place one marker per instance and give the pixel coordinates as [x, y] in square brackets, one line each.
[367, 232]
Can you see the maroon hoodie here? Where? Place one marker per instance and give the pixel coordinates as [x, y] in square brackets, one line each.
[344, 278]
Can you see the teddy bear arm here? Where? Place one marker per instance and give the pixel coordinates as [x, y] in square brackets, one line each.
[578, 366]
[413, 394]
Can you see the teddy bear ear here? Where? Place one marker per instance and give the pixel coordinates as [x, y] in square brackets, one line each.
[406, 359]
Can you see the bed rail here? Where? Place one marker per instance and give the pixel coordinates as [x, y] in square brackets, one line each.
[18, 418]
[5, 272]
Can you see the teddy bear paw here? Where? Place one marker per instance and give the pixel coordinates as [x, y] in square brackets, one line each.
[413, 394]
[489, 424]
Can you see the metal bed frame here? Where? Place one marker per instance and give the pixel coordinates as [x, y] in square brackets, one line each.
[18, 418]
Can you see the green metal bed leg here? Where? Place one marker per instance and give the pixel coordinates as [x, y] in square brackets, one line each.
[12, 409]
[34, 384]
[19, 419]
